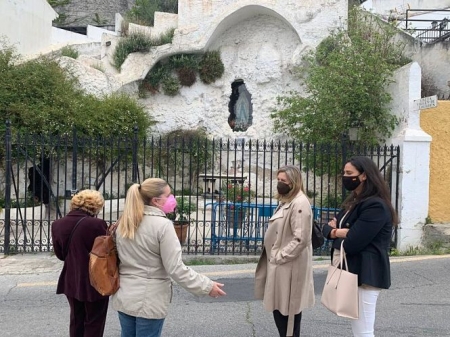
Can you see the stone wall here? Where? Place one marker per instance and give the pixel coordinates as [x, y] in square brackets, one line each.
[436, 235]
[83, 12]
[434, 60]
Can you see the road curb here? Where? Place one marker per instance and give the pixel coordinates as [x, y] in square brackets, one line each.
[47, 262]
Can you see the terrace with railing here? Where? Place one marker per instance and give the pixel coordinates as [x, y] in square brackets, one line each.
[428, 25]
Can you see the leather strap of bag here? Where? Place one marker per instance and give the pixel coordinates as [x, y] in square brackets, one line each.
[71, 234]
[343, 257]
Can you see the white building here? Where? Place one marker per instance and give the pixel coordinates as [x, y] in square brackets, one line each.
[27, 24]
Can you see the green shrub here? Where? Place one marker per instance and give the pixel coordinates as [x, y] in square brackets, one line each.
[185, 153]
[186, 67]
[143, 11]
[170, 86]
[186, 76]
[155, 76]
[164, 38]
[135, 42]
[69, 52]
[19, 203]
[115, 116]
[138, 42]
[211, 67]
[39, 97]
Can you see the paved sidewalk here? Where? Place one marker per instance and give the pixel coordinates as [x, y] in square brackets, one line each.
[416, 304]
[29, 264]
[37, 263]
[23, 264]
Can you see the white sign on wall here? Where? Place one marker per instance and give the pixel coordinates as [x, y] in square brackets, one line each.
[426, 102]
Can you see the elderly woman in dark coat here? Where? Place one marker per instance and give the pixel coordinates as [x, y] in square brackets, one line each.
[73, 237]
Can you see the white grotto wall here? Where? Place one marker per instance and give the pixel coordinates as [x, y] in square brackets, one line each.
[259, 44]
[261, 51]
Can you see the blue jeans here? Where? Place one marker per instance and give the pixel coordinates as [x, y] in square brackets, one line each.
[140, 327]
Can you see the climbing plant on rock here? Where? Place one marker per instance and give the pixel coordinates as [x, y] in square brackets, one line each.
[211, 67]
[181, 70]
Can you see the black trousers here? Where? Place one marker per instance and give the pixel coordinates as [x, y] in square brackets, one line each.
[281, 322]
[87, 319]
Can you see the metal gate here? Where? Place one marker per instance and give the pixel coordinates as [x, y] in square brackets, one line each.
[230, 183]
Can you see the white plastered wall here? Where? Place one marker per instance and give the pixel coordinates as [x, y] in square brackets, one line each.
[27, 24]
[414, 159]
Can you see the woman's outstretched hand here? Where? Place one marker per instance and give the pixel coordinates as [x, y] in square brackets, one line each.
[216, 290]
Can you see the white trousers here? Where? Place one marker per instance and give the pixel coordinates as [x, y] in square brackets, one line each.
[364, 325]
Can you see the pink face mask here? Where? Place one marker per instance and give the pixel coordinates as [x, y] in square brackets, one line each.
[170, 204]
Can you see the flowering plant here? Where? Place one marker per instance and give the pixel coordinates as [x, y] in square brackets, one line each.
[237, 192]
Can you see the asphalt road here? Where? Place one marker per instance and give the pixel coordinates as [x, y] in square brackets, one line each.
[418, 303]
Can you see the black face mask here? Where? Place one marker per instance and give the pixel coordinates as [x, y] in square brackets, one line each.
[351, 182]
[283, 188]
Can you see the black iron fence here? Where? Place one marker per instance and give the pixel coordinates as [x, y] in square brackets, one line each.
[436, 30]
[224, 188]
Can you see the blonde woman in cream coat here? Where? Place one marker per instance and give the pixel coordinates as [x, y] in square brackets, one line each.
[150, 256]
[284, 275]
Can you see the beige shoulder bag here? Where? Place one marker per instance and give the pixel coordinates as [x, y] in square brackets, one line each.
[340, 292]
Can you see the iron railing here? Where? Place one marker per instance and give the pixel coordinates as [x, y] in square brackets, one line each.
[438, 30]
[231, 183]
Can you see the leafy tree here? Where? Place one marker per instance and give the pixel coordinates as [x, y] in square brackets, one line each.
[345, 80]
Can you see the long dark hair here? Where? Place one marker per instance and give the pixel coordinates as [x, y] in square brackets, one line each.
[374, 185]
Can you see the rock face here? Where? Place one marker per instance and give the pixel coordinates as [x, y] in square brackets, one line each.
[260, 42]
[93, 12]
[258, 51]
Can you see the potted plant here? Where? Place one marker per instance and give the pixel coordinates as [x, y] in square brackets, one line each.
[236, 193]
[181, 217]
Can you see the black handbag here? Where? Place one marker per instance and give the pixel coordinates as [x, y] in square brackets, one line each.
[317, 238]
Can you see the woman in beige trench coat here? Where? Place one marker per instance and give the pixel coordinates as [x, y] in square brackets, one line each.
[284, 276]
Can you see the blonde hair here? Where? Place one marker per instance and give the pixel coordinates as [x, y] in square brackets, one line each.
[137, 197]
[89, 201]
[295, 178]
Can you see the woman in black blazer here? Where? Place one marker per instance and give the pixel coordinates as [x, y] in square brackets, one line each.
[365, 224]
